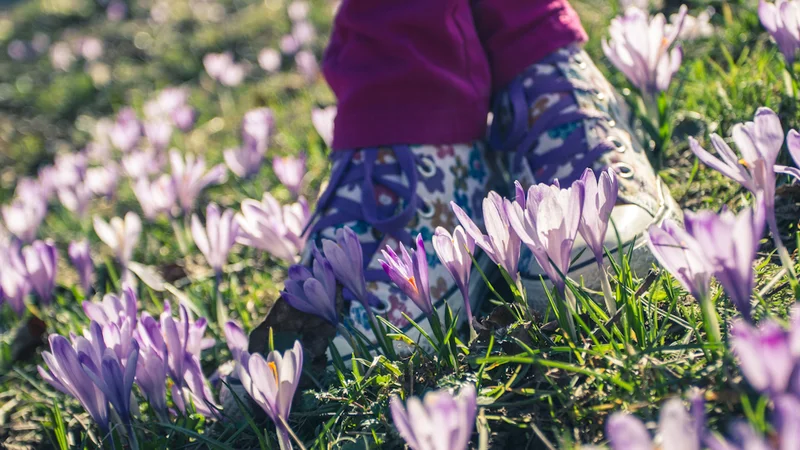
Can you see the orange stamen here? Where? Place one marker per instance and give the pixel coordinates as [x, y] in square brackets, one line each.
[274, 369]
[413, 282]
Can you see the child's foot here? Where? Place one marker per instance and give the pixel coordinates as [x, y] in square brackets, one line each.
[412, 189]
[556, 119]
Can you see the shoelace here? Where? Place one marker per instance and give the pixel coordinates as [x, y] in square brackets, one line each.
[368, 174]
[521, 137]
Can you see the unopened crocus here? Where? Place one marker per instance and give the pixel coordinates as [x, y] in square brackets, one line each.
[81, 259]
[322, 119]
[157, 197]
[127, 130]
[41, 261]
[76, 198]
[677, 430]
[102, 181]
[441, 421]
[455, 252]
[642, 49]
[272, 383]
[23, 217]
[14, 283]
[730, 243]
[64, 372]
[158, 133]
[236, 338]
[501, 243]
[313, 292]
[275, 229]
[793, 144]
[307, 65]
[151, 370]
[269, 59]
[767, 354]
[290, 171]
[196, 389]
[217, 237]
[347, 260]
[243, 161]
[184, 339]
[190, 177]
[782, 21]
[410, 274]
[113, 308]
[121, 235]
[257, 127]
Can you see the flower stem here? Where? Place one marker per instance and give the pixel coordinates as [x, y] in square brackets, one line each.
[379, 334]
[783, 252]
[284, 434]
[572, 304]
[611, 303]
[710, 320]
[468, 312]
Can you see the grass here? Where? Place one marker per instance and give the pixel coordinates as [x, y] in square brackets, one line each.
[539, 388]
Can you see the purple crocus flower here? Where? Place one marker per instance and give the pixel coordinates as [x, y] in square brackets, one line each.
[191, 178]
[121, 235]
[75, 198]
[102, 181]
[766, 354]
[244, 161]
[793, 144]
[217, 237]
[304, 32]
[272, 384]
[307, 65]
[782, 21]
[151, 370]
[14, 283]
[197, 389]
[157, 197]
[23, 217]
[288, 44]
[730, 243]
[501, 241]
[275, 229]
[600, 199]
[322, 119]
[677, 429]
[116, 11]
[220, 66]
[410, 274]
[142, 163]
[257, 127]
[682, 256]
[347, 260]
[290, 171]
[313, 292]
[158, 133]
[81, 259]
[549, 225]
[184, 117]
[127, 130]
[270, 60]
[113, 309]
[640, 49]
[236, 338]
[441, 421]
[41, 259]
[184, 339]
[64, 372]
[455, 252]
[297, 10]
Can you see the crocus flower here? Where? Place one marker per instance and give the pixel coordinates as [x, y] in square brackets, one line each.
[500, 242]
[121, 235]
[127, 130]
[676, 427]
[322, 119]
[157, 197]
[220, 66]
[23, 217]
[600, 199]
[197, 389]
[269, 59]
[275, 229]
[116, 10]
[113, 309]
[782, 21]
[158, 133]
[91, 48]
[244, 161]
[14, 283]
[61, 56]
[41, 260]
[297, 10]
[81, 259]
[217, 237]
[682, 256]
[548, 225]
[102, 181]
[695, 27]
[290, 171]
[455, 253]
[347, 260]
[75, 198]
[272, 384]
[142, 163]
[165, 103]
[313, 292]
[151, 370]
[307, 65]
[766, 354]
[640, 49]
[793, 144]
[288, 44]
[257, 127]
[441, 421]
[184, 339]
[64, 372]
[184, 117]
[190, 177]
[304, 32]
[730, 243]
[410, 274]
[236, 338]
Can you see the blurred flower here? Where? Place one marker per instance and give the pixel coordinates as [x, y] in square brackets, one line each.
[64, 372]
[75, 198]
[102, 181]
[61, 56]
[166, 102]
[347, 261]
[441, 421]
[217, 237]
[190, 177]
[307, 65]
[116, 10]
[159, 133]
[297, 10]
[272, 384]
[695, 27]
[410, 274]
[600, 199]
[644, 5]
[142, 163]
[40, 42]
[184, 117]
[785, 421]
[793, 144]
[500, 242]
[323, 123]
[18, 50]
[313, 292]
[236, 338]
[151, 370]
[244, 161]
[677, 430]
[782, 21]
[113, 309]
[91, 48]
[288, 45]
[120, 235]
[275, 229]
[127, 130]
[640, 49]
[156, 197]
[730, 243]
[269, 59]
[41, 262]
[290, 171]
[455, 252]
[196, 389]
[81, 259]
[682, 256]
[257, 127]
[69, 169]
[14, 284]
[304, 33]
[23, 217]
[221, 67]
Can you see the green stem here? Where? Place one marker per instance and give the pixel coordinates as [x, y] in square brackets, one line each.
[611, 304]
[710, 320]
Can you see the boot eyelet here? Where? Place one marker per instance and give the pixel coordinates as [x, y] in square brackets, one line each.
[426, 167]
[426, 210]
[619, 146]
[623, 170]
